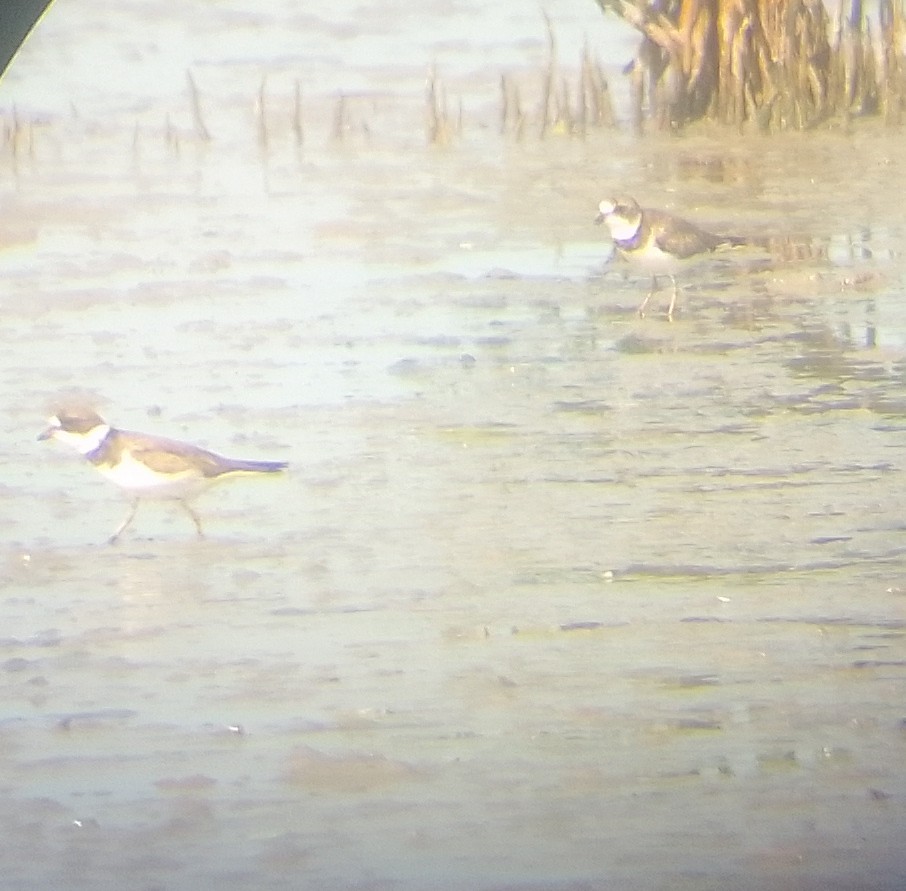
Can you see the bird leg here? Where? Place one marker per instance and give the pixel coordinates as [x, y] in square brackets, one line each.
[644, 303]
[195, 518]
[672, 300]
[122, 526]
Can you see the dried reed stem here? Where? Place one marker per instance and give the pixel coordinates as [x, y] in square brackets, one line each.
[339, 118]
[439, 131]
[298, 130]
[261, 108]
[547, 89]
[201, 131]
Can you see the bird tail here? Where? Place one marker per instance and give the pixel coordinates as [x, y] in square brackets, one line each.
[235, 466]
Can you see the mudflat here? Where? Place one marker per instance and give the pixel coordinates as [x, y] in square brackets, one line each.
[552, 596]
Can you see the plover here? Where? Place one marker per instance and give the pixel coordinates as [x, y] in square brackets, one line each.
[657, 241]
[148, 467]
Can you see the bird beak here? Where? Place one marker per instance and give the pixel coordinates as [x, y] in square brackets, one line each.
[47, 434]
[599, 219]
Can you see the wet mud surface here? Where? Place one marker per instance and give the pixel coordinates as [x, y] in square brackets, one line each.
[552, 596]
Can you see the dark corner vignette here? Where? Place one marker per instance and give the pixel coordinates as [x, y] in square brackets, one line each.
[17, 18]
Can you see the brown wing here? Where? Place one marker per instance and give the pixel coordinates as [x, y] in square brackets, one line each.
[680, 237]
[172, 456]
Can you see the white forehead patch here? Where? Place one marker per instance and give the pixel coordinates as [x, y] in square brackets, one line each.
[606, 207]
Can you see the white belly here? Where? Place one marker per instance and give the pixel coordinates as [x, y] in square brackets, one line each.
[657, 262]
[139, 479]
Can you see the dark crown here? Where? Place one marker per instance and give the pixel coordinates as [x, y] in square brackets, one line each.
[78, 420]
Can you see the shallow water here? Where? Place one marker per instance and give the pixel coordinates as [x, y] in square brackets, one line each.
[552, 596]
